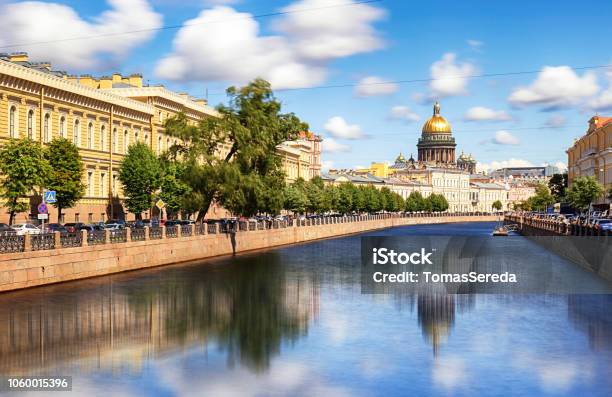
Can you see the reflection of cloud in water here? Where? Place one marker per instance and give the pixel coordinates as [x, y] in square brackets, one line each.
[449, 373]
[592, 315]
[554, 375]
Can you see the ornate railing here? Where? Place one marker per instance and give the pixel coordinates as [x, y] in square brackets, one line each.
[43, 241]
[211, 228]
[155, 233]
[71, 239]
[186, 230]
[118, 235]
[137, 234]
[199, 229]
[12, 243]
[172, 231]
[96, 237]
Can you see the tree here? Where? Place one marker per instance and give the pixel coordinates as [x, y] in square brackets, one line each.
[437, 202]
[584, 191]
[372, 201]
[316, 198]
[66, 174]
[415, 202]
[497, 205]
[542, 199]
[174, 191]
[345, 194]
[295, 199]
[140, 174]
[23, 169]
[558, 185]
[249, 177]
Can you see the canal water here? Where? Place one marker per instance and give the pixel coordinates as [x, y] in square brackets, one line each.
[293, 322]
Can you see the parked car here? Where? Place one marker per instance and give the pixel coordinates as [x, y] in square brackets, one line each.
[73, 227]
[602, 224]
[26, 228]
[137, 224]
[55, 227]
[92, 227]
[114, 224]
[172, 222]
[6, 229]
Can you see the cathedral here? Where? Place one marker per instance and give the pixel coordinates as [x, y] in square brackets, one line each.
[436, 148]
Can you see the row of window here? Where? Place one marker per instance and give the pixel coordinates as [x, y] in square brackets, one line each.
[76, 132]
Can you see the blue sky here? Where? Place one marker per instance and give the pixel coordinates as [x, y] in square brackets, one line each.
[333, 42]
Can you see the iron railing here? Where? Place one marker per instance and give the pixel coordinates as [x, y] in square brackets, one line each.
[12, 243]
[186, 230]
[172, 231]
[118, 235]
[155, 233]
[137, 234]
[96, 237]
[43, 241]
[71, 239]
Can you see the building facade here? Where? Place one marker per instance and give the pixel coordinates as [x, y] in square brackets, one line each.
[591, 155]
[103, 117]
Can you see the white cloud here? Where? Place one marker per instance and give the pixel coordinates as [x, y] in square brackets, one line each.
[235, 51]
[319, 30]
[494, 165]
[450, 77]
[561, 165]
[339, 128]
[220, 2]
[403, 113]
[603, 102]
[505, 138]
[556, 121]
[56, 25]
[479, 113]
[374, 86]
[449, 373]
[327, 164]
[556, 87]
[475, 44]
[330, 145]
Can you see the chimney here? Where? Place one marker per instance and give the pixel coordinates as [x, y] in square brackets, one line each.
[135, 80]
[106, 82]
[18, 57]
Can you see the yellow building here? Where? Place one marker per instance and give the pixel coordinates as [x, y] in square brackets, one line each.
[591, 155]
[102, 117]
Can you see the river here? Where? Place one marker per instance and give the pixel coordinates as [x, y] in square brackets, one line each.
[292, 321]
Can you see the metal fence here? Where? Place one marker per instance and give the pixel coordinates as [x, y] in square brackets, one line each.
[71, 239]
[211, 228]
[137, 234]
[43, 241]
[96, 237]
[118, 235]
[12, 243]
[172, 231]
[199, 229]
[155, 233]
[186, 230]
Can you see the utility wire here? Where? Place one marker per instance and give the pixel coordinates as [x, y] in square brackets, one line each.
[172, 27]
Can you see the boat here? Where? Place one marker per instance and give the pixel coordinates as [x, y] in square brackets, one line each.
[500, 231]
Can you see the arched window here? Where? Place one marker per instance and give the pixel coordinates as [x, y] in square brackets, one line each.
[115, 137]
[136, 137]
[62, 127]
[159, 144]
[102, 138]
[126, 141]
[76, 132]
[146, 139]
[167, 143]
[46, 135]
[12, 121]
[90, 136]
[30, 124]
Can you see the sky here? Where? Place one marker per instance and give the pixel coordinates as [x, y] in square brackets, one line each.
[518, 81]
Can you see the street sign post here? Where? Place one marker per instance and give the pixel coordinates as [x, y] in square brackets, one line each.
[42, 208]
[42, 217]
[50, 197]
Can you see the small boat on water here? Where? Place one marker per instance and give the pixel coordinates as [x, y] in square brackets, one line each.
[500, 231]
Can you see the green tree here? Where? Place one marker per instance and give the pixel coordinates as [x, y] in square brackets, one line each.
[249, 177]
[388, 199]
[344, 203]
[558, 186]
[497, 205]
[358, 199]
[438, 202]
[542, 199]
[584, 191]
[140, 174]
[372, 199]
[295, 199]
[398, 203]
[316, 195]
[23, 169]
[415, 202]
[174, 191]
[66, 175]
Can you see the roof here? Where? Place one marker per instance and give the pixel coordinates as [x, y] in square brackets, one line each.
[483, 185]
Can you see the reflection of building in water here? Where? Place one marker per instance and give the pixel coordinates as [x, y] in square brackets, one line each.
[592, 314]
[436, 314]
[123, 324]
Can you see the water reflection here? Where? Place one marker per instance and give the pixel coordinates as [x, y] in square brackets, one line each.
[247, 310]
[592, 315]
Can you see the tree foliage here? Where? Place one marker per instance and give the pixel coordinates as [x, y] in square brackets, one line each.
[438, 202]
[66, 173]
[140, 175]
[584, 191]
[558, 186]
[415, 202]
[23, 169]
[541, 200]
[174, 191]
[497, 205]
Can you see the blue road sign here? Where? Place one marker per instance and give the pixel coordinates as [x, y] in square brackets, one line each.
[42, 208]
[50, 196]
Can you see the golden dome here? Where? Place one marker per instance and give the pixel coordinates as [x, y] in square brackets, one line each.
[437, 124]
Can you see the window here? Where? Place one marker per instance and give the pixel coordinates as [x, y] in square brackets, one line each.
[103, 138]
[115, 140]
[31, 124]
[126, 141]
[90, 185]
[90, 136]
[146, 139]
[103, 184]
[167, 143]
[12, 121]
[76, 132]
[62, 127]
[90, 218]
[159, 144]
[136, 137]
[114, 184]
[46, 135]
[77, 217]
